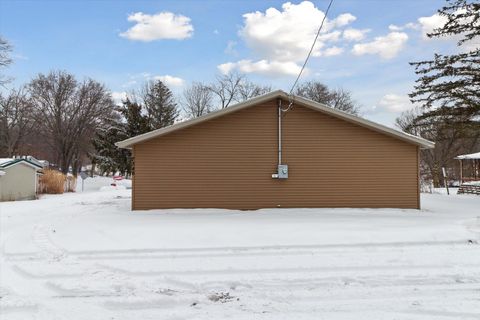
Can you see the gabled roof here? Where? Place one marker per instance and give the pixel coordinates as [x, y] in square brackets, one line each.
[8, 162]
[423, 143]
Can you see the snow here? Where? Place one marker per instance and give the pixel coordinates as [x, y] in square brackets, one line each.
[5, 160]
[103, 184]
[472, 183]
[469, 156]
[108, 188]
[85, 255]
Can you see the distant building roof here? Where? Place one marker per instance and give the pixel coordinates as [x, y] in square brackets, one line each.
[5, 160]
[470, 156]
[8, 162]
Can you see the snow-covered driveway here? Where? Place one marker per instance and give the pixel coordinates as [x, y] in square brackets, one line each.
[86, 256]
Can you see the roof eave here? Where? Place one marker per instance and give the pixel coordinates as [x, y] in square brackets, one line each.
[128, 143]
[19, 161]
[422, 143]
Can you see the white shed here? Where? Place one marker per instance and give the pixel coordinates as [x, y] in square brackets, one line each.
[18, 179]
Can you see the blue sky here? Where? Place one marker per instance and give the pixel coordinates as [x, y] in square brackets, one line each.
[195, 40]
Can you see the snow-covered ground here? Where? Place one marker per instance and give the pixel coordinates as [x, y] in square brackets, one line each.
[87, 256]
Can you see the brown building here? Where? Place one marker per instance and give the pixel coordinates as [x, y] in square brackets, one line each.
[234, 158]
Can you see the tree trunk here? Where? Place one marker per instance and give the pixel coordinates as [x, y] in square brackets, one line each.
[92, 170]
[436, 177]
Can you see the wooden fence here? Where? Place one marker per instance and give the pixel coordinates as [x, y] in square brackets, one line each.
[469, 188]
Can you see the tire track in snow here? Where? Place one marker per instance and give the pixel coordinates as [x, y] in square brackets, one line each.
[53, 255]
[47, 248]
[286, 270]
[12, 302]
[267, 248]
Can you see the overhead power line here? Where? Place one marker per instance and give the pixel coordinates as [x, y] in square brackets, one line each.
[311, 49]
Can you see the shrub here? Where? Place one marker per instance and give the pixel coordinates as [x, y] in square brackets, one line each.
[52, 182]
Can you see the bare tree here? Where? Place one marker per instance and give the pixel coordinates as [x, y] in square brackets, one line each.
[5, 59]
[197, 100]
[406, 121]
[248, 90]
[16, 121]
[69, 113]
[339, 99]
[235, 87]
[315, 91]
[342, 100]
[451, 136]
[226, 88]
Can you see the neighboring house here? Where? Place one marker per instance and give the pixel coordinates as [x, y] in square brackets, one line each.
[18, 179]
[247, 157]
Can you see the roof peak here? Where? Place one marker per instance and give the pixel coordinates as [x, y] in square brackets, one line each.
[128, 143]
[8, 162]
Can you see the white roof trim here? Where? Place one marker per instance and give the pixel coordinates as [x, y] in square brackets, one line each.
[15, 162]
[423, 143]
[471, 156]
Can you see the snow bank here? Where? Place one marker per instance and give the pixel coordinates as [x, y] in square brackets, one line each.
[472, 183]
[102, 183]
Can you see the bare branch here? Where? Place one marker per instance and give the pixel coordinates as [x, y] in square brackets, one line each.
[197, 100]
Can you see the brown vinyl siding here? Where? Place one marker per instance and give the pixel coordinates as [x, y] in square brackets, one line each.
[227, 162]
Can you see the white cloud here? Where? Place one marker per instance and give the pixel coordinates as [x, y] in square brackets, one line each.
[409, 25]
[287, 35]
[354, 34]
[283, 37]
[170, 81]
[333, 51]
[264, 67]
[163, 25]
[343, 20]
[394, 27]
[118, 97]
[140, 78]
[386, 47]
[395, 103]
[428, 24]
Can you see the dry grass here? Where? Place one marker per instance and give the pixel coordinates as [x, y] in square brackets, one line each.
[52, 182]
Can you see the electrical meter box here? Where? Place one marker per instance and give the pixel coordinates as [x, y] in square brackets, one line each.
[282, 171]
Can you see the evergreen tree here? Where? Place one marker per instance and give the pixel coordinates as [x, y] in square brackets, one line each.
[107, 156]
[448, 90]
[128, 121]
[135, 122]
[160, 106]
[453, 80]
